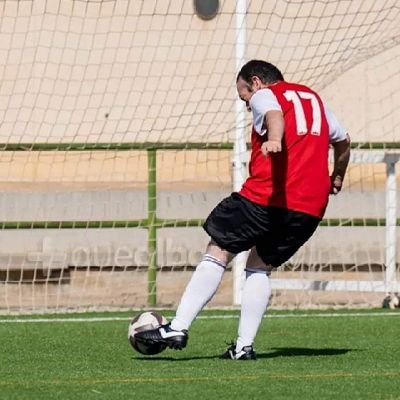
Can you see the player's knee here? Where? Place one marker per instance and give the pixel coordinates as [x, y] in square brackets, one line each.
[265, 269]
[255, 262]
[214, 250]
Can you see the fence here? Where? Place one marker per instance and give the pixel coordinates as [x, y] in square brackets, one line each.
[363, 153]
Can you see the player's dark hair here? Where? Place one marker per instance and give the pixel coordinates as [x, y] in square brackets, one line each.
[266, 71]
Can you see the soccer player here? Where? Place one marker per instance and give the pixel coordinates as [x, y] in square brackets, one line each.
[278, 208]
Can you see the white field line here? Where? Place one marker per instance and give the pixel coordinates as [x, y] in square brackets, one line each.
[226, 316]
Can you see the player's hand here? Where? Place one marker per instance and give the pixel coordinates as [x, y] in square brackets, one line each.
[336, 184]
[271, 146]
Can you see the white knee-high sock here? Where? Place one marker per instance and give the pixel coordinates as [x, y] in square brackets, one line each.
[255, 297]
[199, 291]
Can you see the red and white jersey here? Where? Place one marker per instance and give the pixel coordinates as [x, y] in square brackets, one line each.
[297, 178]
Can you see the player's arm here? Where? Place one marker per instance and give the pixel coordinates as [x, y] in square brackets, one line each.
[275, 126]
[341, 157]
[268, 120]
[340, 141]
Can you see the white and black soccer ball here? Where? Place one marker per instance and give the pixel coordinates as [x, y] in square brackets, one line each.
[391, 301]
[145, 321]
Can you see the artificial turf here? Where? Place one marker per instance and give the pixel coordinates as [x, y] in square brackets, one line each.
[302, 355]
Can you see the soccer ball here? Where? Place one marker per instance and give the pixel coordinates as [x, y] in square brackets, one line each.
[142, 322]
[391, 301]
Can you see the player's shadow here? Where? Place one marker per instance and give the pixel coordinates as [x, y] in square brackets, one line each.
[276, 352]
[302, 352]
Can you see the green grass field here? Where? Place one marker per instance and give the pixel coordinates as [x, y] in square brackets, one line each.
[313, 355]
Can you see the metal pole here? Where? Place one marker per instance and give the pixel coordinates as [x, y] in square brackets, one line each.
[240, 149]
[391, 220]
[151, 227]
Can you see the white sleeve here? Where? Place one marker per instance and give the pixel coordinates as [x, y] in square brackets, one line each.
[261, 102]
[336, 131]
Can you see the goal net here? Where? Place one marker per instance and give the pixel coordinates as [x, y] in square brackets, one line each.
[118, 124]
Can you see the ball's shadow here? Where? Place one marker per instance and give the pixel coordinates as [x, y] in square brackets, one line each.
[276, 352]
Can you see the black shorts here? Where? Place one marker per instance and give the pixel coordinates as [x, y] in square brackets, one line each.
[237, 224]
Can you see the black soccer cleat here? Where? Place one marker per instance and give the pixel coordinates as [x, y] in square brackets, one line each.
[247, 353]
[164, 334]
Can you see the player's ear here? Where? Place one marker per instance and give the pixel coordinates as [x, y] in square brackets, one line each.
[255, 82]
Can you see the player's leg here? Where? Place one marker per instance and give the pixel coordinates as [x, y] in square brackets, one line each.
[287, 232]
[255, 296]
[228, 225]
[202, 286]
[199, 291]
